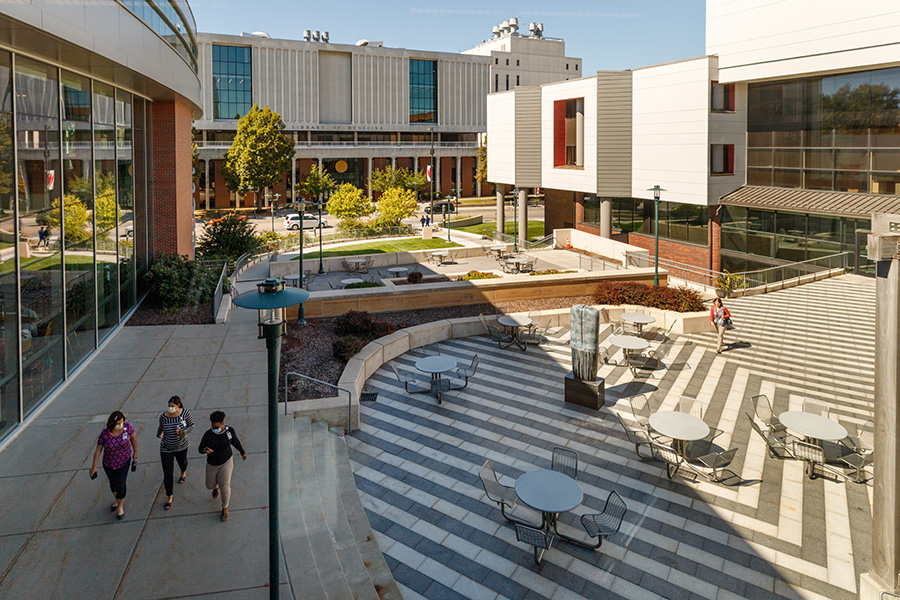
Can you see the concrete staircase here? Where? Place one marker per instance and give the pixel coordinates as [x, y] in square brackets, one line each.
[329, 548]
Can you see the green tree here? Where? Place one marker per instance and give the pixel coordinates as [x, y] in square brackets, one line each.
[316, 183]
[195, 155]
[260, 154]
[228, 237]
[481, 155]
[395, 205]
[105, 209]
[416, 182]
[77, 217]
[349, 204]
[852, 109]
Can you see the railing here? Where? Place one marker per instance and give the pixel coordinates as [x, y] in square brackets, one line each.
[544, 242]
[319, 381]
[220, 287]
[350, 144]
[340, 236]
[586, 262]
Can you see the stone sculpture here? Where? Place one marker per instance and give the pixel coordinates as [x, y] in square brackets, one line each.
[584, 322]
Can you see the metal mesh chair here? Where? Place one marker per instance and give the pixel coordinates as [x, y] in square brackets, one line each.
[691, 406]
[604, 524]
[638, 437]
[466, 372]
[406, 379]
[537, 333]
[889, 596]
[503, 495]
[716, 461]
[491, 330]
[863, 441]
[814, 457]
[858, 462]
[763, 409]
[534, 537]
[776, 440]
[431, 350]
[640, 408]
[815, 408]
[668, 455]
[565, 461]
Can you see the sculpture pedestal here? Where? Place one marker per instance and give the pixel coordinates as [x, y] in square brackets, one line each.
[589, 394]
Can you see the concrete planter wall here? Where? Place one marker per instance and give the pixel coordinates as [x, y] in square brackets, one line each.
[280, 268]
[468, 222]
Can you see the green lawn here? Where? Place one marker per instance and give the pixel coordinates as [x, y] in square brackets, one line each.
[74, 262]
[383, 247]
[535, 229]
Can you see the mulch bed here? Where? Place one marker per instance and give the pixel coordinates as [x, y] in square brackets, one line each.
[307, 350]
[150, 314]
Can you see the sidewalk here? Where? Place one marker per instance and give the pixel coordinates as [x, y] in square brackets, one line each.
[58, 538]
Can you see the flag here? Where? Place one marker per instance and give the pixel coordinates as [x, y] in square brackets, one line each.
[428, 173]
[51, 177]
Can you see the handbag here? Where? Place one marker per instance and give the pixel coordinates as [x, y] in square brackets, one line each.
[727, 322]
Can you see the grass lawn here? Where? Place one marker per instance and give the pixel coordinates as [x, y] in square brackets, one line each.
[535, 229]
[383, 247]
[74, 262]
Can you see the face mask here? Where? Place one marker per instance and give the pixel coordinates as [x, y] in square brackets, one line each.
[118, 427]
[172, 409]
[218, 430]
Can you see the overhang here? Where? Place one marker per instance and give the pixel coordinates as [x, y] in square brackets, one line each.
[843, 204]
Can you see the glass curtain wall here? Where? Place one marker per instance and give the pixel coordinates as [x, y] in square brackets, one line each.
[139, 236]
[9, 283]
[40, 274]
[423, 91]
[78, 203]
[681, 222]
[125, 199]
[105, 218]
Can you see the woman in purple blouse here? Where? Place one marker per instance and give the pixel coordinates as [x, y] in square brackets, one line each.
[118, 443]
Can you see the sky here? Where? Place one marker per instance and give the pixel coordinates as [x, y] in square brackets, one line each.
[605, 34]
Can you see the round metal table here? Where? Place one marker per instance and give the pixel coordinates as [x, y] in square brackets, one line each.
[292, 280]
[514, 325]
[351, 280]
[629, 343]
[679, 426]
[813, 427]
[638, 319]
[398, 270]
[551, 493]
[434, 366]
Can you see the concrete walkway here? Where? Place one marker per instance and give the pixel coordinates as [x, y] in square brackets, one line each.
[58, 538]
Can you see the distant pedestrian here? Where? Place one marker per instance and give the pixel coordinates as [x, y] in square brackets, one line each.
[427, 220]
[720, 318]
[216, 445]
[118, 443]
[422, 221]
[43, 237]
[174, 425]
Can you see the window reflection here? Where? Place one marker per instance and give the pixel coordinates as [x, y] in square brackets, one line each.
[125, 199]
[9, 327]
[105, 207]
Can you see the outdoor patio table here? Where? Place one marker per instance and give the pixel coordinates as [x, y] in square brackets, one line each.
[638, 319]
[292, 280]
[551, 493]
[813, 427]
[351, 280]
[440, 255]
[518, 261]
[629, 343]
[398, 270]
[435, 365]
[679, 426]
[514, 326]
[356, 261]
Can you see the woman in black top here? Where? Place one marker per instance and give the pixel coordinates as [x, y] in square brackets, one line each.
[216, 445]
[174, 425]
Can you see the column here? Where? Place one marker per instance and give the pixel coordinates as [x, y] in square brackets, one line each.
[459, 176]
[478, 187]
[501, 209]
[173, 215]
[393, 162]
[368, 176]
[206, 178]
[606, 217]
[886, 500]
[579, 132]
[523, 217]
[294, 179]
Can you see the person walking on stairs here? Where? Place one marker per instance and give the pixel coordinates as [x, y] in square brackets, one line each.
[216, 445]
[174, 425]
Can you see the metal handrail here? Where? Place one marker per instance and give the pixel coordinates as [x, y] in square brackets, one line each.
[331, 385]
[590, 261]
[220, 289]
[350, 144]
[544, 242]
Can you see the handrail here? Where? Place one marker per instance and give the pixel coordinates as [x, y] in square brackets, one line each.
[591, 260]
[331, 385]
[349, 144]
[543, 242]
[220, 289]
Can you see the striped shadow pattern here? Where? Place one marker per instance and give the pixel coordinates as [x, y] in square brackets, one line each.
[774, 535]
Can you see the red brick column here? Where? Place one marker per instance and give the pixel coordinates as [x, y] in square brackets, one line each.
[171, 176]
[715, 238]
[579, 208]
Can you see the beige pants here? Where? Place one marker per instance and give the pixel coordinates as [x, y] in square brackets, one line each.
[220, 476]
[721, 330]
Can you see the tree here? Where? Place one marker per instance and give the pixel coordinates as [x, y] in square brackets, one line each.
[105, 209]
[395, 205]
[481, 170]
[417, 182]
[77, 216]
[316, 183]
[260, 154]
[195, 155]
[853, 109]
[228, 237]
[349, 204]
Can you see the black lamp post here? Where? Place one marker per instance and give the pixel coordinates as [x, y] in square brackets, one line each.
[431, 186]
[515, 194]
[656, 190]
[271, 299]
[321, 203]
[301, 315]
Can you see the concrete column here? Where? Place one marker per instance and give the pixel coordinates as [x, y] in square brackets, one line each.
[294, 179]
[606, 217]
[523, 216]
[478, 187]
[206, 178]
[393, 162]
[459, 176]
[579, 132]
[368, 176]
[885, 573]
[501, 209]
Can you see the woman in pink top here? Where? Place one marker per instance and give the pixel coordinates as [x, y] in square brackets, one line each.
[118, 443]
[717, 315]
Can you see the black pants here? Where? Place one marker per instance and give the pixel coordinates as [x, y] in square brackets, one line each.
[168, 464]
[117, 479]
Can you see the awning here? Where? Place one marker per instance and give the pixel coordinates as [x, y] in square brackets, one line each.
[843, 204]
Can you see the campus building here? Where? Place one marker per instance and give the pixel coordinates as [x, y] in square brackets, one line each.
[357, 107]
[95, 114]
[774, 147]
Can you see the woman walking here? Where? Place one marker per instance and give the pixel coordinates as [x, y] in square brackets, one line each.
[717, 315]
[174, 425]
[118, 443]
[216, 445]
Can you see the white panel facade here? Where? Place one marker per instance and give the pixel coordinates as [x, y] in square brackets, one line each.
[570, 178]
[501, 137]
[760, 40]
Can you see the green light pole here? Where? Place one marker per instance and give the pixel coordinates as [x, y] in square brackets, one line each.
[656, 190]
[447, 219]
[301, 314]
[321, 203]
[270, 299]
[515, 194]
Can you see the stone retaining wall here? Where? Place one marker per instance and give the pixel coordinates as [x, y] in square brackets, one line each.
[280, 268]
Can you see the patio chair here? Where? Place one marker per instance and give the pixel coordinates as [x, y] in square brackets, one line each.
[535, 316]
[815, 408]
[491, 330]
[431, 349]
[858, 462]
[863, 441]
[661, 352]
[348, 267]
[703, 446]
[407, 379]
[691, 406]
[638, 363]
[669, 456]
[618, 324]
[638, 437]
[536, 334]
[640, 408]
[814, 457]
[763, 409]
[507, 266]
[502, 495]
[565, 461]
[451, 256]
[716, 461]
[667, 335]
[527, 266]
[465, 373]
[775, 439]
[605, 357]
[889, 596]
[607, 522]
[534, 537]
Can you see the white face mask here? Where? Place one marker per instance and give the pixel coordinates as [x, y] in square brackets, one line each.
[118, 426]
[172, 409]
[218, 430]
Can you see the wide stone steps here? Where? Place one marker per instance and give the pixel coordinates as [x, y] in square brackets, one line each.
[330, 550]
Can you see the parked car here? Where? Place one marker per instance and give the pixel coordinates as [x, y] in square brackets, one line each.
[309, 222]
[440, 206]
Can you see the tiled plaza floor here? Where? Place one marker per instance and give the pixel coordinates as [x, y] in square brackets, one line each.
[775, 535]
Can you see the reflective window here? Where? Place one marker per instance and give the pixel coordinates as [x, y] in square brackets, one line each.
[162, 18]
[423, 91]
[105, 219]
[232, 81]
[683, 222]
[9, 326]
[125, 199]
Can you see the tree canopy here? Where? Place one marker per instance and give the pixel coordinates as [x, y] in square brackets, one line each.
[260, 154]
[316, 183]
[77, 217]
[389, 177]
[349, 204]
[395, 205]
[481, 156]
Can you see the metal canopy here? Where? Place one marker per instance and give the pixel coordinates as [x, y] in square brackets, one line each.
[844, 204]
[260, 300]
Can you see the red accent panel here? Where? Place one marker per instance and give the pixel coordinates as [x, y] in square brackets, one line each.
[730, 92]
[559, 133]
[729, 151]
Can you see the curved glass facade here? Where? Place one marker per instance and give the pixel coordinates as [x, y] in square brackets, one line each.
[72, 160]
[176, 26]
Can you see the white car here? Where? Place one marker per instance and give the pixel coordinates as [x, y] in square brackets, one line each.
[309, 222]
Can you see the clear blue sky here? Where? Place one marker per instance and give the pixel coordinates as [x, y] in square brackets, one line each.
[606, 34]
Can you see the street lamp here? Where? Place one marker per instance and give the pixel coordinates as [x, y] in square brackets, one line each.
[301, 315]
[268, 197]
[447, 218]
[515, 194]
[431, 186]
[321, 203]
[271, 299]
[656, 190]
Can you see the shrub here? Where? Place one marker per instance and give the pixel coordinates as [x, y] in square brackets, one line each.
[415, 277]
[346, 346]
[550, 272]
[267, 237]
[679, 299]
[354, 322]
[471, 275]
[363, 284]
[229, 238]
[176, 282]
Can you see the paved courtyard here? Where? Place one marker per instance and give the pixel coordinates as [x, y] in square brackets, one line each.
[776, 534]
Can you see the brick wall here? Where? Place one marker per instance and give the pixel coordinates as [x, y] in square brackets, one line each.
[171, 176]
[715, 238]
[558, 213]
[467, 178]
[446, 180]
[698, 256]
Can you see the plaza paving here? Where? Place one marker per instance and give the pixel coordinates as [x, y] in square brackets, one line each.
[775, 535]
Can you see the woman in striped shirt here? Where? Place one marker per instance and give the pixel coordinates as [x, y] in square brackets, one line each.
[174, 425]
